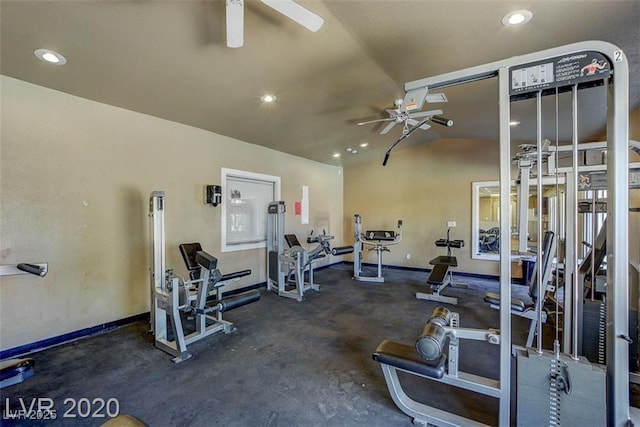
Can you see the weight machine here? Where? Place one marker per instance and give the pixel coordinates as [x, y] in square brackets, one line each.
[554, 71]
[427, 359]
[173, 297]
[380, 240]
[286, 266]
[441, 275]
[14, 371]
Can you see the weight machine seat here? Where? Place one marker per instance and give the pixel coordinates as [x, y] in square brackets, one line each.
[405, 357]
[291, 240]
[188, 252]
[380, 235]
[444, 259]
[516, 304]
[438, 274]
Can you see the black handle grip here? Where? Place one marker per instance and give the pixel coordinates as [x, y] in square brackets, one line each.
[386, 159]
[32, 268]
[235, 275]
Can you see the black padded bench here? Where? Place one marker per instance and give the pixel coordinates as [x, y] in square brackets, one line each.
[441, 275]
[405, 357]
[438, 274]
[530, 310]
[516, 304]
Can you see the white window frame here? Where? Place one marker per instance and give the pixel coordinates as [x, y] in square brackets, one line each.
[227, 176]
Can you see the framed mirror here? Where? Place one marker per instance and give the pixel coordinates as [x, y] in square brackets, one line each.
[485, 233]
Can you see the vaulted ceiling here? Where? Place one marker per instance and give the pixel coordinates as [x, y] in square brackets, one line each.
[169, 59]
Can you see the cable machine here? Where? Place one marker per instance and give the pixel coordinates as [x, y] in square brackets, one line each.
[566, 68]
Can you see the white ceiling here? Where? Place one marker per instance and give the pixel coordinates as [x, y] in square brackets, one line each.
[169, 59]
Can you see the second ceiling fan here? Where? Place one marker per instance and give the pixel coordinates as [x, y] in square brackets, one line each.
[289, 8]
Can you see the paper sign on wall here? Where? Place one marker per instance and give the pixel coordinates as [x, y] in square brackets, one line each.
[298, 208]
[305, 205]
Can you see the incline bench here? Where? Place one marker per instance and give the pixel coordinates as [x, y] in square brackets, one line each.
[441, 275]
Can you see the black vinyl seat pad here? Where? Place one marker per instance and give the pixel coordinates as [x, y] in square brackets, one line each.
[516, 304]
[405, 357]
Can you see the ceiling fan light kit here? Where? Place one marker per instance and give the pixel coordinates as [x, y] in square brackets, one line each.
[289, 8]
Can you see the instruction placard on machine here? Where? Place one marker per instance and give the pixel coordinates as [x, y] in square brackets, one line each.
[597, 180]
[565, 70]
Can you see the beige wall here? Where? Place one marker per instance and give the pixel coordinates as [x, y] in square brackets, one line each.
[75, 180]
[425, 185]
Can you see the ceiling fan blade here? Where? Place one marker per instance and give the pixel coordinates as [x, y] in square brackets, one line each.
[426, 113]
[373, 121]
[387, 128]
[437, 97]
[235, 23]
[295, 12]
[424, 125]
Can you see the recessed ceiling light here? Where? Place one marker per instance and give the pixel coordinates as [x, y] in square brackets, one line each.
[354, 151]
[349, 149]
[268, 98]
[50, 56]
[514, 123]
[517, 17]
[364, 144]
[336, 155]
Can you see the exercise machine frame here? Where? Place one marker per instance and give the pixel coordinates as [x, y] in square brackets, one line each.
[171, 295]
[380, 240]
[441, 275]
[394, 357]
[617, 225]
[14, 371]
[284, 263]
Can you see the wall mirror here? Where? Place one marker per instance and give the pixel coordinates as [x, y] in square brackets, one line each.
[485, 234]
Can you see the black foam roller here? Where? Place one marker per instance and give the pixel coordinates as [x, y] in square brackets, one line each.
[342, 250]
[238, 301]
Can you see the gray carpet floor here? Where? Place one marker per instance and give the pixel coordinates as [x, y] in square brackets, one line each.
[288, 363]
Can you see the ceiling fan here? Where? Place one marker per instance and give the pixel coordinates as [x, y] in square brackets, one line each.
[403, 114]
[289, 8]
